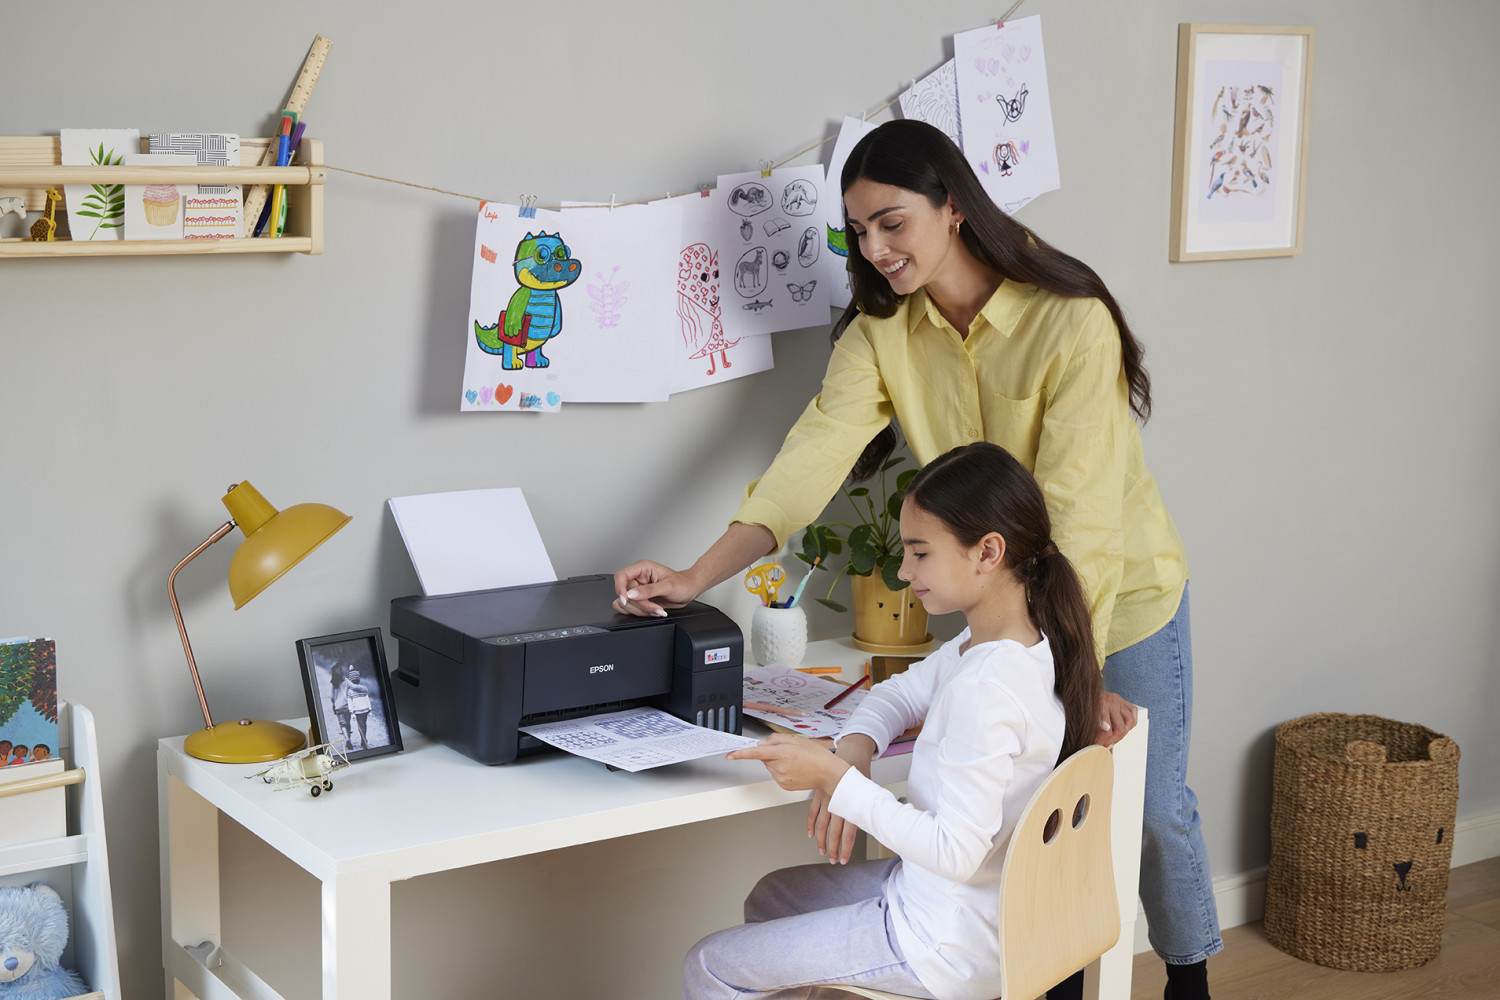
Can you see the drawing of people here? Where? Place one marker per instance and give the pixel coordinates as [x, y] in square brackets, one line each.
[40, 752]
[698, 305]
[18, 755]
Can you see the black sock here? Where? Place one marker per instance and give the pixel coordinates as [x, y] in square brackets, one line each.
[1187, 982]
[1069, 989]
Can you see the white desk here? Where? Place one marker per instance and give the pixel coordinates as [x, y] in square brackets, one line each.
[434, 810]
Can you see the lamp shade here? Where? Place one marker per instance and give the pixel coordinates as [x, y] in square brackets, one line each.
[275, 541]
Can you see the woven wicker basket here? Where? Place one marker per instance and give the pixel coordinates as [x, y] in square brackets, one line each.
[1362, 812]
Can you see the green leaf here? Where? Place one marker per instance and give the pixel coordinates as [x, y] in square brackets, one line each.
[812, 545]
[891, 463]
[91, 215]
[862, 559]
[859, 491]
[835, 605]
[893, 505]
[888, 574]
[904, 480]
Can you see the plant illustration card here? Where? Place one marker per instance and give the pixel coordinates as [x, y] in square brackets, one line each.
[835, 258]
[573, 306]
[934, 100]
[1007, 110]
[770, 234]
[97, 211]
[154, 211]
[705, 354]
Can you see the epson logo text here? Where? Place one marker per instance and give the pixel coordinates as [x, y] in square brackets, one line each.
[601, 668]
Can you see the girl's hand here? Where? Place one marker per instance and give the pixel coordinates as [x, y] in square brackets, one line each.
[1116, 718]
[833, 835]
[796, 763]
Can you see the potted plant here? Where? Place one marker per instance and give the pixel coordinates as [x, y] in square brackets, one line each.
[887, 616]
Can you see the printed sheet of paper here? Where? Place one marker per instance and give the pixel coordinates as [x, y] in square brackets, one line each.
[835, 258]
[1240, 133]
[934, 100]
[1007, 110]
[770, 233]
[705, 354]
[154, 211]
[637, 738]
[471, 540]
[800, 698]
[211, 211]
[571, 305]
[97, 211]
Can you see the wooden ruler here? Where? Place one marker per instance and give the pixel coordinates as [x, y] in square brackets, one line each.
[255, 197]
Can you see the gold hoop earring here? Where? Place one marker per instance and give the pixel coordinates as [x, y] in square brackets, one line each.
[957, 226]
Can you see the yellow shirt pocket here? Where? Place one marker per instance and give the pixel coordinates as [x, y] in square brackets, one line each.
[1016, 424]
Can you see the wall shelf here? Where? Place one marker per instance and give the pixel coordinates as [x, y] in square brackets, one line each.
[29, 164]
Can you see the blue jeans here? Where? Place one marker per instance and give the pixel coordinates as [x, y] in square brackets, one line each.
[816, 923]
[1176, 888]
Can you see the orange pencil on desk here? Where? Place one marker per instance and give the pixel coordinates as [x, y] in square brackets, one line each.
[821, 670]
[847, 692]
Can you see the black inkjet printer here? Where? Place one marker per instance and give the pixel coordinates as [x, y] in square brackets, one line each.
[474, 667]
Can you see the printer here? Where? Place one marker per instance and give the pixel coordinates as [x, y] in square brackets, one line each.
[474, 667]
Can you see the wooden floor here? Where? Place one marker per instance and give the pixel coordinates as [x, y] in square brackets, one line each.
[1467, 968]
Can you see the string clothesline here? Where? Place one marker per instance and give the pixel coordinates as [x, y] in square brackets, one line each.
[614, 204]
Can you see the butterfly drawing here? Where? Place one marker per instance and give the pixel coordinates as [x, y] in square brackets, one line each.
[1012, 107]
[801, 293]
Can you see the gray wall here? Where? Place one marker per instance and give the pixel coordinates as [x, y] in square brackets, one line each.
[1325, 424]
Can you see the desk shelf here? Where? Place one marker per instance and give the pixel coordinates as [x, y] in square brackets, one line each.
[91, 921]
[29, 164]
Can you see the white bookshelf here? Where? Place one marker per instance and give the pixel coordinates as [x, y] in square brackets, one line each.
[76, 864]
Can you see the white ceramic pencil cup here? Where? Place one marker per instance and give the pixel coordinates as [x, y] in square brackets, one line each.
[778, 635]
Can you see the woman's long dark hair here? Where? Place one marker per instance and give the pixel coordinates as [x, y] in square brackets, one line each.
[979, 488]
[918, 157]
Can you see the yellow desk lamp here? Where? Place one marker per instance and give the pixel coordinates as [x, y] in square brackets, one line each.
[275, 541]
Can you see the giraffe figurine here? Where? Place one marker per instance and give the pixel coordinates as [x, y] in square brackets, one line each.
[44, 229]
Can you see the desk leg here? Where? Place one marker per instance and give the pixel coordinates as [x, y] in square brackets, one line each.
[189, 862]
[1116, 965]
[357, 936]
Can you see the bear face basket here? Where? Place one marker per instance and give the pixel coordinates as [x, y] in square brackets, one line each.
[1362, 812]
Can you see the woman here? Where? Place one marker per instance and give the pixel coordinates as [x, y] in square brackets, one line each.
[965, 326]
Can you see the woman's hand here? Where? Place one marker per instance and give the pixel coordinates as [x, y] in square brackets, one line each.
[1116, 718]
[647, 589]
[834, 835]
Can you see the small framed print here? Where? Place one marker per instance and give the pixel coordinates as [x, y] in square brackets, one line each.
[349, 692]
[1239, 163]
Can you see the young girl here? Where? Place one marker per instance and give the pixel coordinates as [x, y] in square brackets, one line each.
[1014, 693]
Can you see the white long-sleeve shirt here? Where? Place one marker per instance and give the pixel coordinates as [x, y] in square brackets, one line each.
[992, 732]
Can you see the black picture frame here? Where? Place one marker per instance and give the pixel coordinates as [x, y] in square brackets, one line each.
[329, 662]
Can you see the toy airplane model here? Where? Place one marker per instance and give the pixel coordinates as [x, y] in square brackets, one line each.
[307, 768]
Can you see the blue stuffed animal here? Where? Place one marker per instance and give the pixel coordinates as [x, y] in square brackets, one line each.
[33, 930]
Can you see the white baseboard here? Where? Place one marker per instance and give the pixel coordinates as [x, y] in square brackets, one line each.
[1241, 899]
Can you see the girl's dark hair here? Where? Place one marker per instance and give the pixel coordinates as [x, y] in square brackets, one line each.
[979, 488]
[918, 157]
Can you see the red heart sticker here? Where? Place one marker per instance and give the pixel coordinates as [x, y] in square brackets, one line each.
[503, 393]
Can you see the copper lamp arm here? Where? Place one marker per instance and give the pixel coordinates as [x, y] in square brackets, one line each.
[187, 648]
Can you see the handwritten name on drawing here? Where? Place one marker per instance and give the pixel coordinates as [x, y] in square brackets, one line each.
[531, 401]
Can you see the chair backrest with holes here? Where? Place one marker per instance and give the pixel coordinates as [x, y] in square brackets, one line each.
[1058, 908]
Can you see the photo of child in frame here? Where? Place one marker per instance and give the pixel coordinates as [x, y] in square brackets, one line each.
[348, 693]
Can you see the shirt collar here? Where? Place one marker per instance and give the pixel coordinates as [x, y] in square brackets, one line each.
[1003, 311]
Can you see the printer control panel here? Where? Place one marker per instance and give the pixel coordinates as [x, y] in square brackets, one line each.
[551, 633]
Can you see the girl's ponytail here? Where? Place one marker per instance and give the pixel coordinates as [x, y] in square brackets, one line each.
[1059, 609]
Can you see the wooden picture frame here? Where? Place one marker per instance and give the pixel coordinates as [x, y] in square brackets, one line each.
[342, 674]
[1239, 163]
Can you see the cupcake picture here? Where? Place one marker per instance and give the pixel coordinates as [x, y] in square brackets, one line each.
[160, 201]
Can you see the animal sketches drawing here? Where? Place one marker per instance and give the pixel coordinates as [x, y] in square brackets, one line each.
[534, 314]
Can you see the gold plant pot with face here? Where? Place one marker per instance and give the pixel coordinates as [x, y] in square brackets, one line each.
[886, 621]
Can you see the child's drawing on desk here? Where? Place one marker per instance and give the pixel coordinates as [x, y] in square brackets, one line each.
[781, 696]
[1014, 693]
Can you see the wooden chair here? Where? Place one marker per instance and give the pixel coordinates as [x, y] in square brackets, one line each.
[1058, 905]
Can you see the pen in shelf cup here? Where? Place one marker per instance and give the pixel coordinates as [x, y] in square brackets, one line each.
[283, 157]
[797, 594]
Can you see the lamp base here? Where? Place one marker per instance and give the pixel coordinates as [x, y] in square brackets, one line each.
[243, 741]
